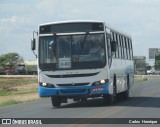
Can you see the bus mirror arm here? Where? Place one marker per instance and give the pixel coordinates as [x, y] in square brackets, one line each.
[113, 50]
[35, 54]
[33, 43]
[33, 46]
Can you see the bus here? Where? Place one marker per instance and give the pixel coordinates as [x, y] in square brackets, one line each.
[83, 59]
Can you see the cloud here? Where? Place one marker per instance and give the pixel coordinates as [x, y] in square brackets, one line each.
[13, 20]
[19, 19]
[145, 1]
[46, 5]
[14, 25]
[3, 21]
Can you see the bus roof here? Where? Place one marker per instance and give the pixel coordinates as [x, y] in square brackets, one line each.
[117, 30]
[72, 21]
[89, 21]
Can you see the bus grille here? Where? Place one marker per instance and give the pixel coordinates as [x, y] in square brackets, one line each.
[72, 75]
[73, 84]
[72, 91]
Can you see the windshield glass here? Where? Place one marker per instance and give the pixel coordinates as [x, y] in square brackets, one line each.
[72, 52]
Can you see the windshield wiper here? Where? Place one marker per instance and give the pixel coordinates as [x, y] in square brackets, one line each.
[55, 47]
[82, 44]
[83, 41]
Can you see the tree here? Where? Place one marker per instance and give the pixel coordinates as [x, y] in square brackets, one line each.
[140, 64]
[157, 65]
[11, 59]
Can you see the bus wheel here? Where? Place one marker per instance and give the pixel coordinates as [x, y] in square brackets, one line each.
[84, 99]
[108, 99]
[76, 99]
[126, 93]
[56, 102]
[114, 87]
[119, 96]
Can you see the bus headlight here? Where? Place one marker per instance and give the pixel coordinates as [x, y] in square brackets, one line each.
[100, 82]
[44, 84]
[47, 85]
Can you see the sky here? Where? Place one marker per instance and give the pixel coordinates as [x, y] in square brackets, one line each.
[19, 18]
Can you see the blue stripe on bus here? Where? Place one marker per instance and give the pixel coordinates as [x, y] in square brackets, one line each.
[73, 90]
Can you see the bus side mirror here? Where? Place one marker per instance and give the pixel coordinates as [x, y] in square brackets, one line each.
[113, 46]
[33, 44]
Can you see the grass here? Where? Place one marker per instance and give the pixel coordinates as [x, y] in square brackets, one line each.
[9, 93]
[12, 81]
[16, 90]
[4, 93]
[140, 79]
[25, 92]
[10, 102]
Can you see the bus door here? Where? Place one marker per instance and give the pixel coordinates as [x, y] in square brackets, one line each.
[64, 52]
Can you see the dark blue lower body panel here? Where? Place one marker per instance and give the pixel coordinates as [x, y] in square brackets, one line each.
[73, 91]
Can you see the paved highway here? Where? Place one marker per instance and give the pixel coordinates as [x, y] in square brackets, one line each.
[144, 102]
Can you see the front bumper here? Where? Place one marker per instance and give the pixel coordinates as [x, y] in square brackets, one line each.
[72, 91]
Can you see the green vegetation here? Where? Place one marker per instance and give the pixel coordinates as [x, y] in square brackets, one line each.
[140, 79]
[31, 67]
[7, 93]
[4, 93]
[141, 64]
[10, 59]
[10, 102]
[13, 81]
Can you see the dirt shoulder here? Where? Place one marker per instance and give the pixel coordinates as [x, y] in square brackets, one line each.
[19, 98]
[22, 93]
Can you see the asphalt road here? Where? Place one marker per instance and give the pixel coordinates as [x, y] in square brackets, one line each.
[144, 102]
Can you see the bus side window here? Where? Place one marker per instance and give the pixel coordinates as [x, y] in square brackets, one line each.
[109, 48]
[126, 45]
[121, 46]
[117, 54]
[123, 49]
[115, 39]
[129, 49]
[120, 42]
[112, 38]
[118, 46]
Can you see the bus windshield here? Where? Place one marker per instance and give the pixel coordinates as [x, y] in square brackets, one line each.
[72, 52]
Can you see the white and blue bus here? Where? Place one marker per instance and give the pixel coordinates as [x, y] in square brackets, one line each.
[83, 59]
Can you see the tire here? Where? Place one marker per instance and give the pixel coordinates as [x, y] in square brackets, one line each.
[83, 99]
[125, 94]
[110, 98]
[114, 86]
[119, 96]
[56, 102]
[76, 99]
